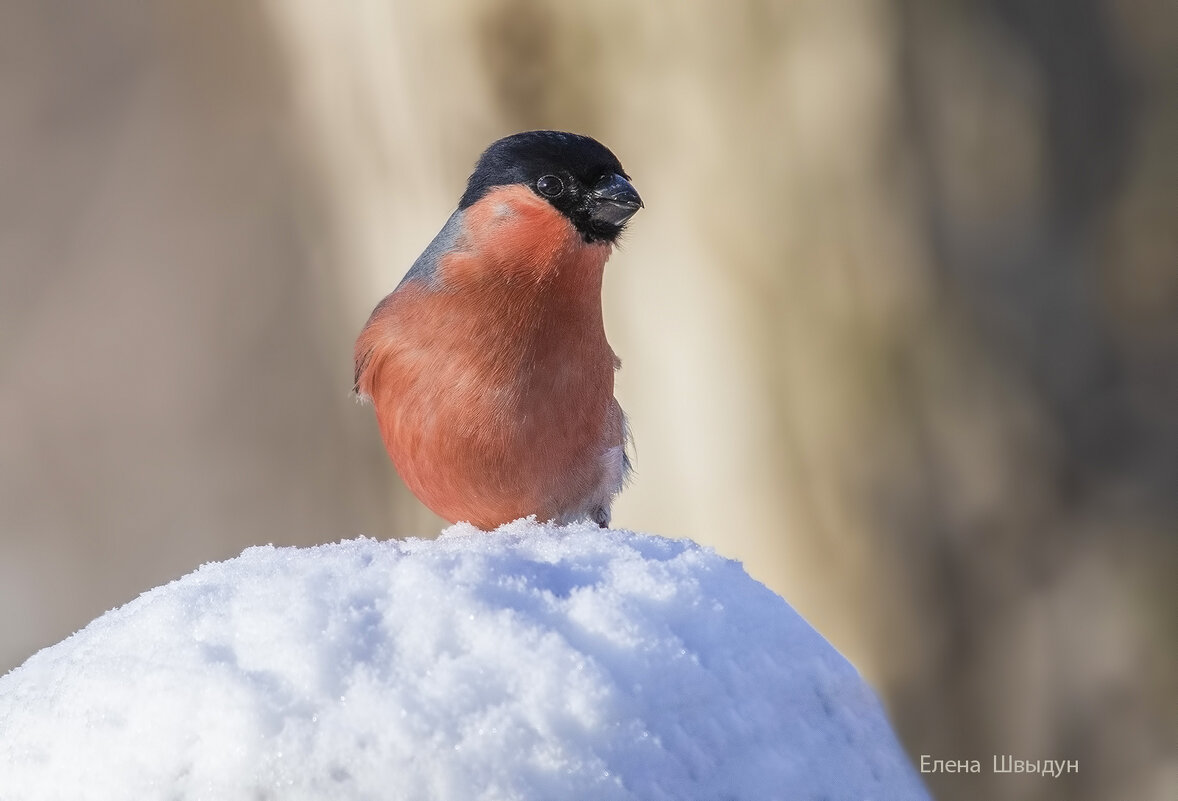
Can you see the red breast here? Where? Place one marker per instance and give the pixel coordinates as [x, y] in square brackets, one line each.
[492, 379]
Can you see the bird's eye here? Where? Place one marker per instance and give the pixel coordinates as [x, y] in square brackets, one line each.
[550, 186]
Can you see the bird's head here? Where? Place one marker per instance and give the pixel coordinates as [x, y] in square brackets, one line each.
[578, 175]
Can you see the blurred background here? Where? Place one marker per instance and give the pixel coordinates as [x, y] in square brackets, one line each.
[899, 322]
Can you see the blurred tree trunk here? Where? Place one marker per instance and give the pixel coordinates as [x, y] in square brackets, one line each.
[168, 394]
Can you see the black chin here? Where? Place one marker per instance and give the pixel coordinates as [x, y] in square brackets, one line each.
[592, 231]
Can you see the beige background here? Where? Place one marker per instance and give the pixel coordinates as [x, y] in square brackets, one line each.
[899, 323]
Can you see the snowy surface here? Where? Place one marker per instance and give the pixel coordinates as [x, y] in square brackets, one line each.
[531, 663]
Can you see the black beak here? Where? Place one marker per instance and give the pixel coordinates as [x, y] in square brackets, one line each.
[614, 200]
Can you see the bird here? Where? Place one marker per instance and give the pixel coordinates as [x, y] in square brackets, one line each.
[488, 365]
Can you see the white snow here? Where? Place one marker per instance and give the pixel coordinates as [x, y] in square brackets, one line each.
[535, 662]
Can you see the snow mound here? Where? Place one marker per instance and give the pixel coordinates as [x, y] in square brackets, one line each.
[534, 662]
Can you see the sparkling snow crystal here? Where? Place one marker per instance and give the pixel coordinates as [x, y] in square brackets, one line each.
[531, 663]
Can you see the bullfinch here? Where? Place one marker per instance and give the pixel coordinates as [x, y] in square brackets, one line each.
[488, 365]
